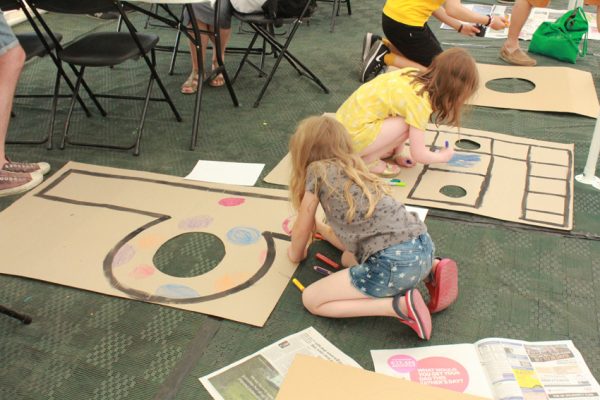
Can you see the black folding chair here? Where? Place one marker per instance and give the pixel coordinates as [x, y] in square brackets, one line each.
[39, 44]
[105, 49]
[263, 26]
[337, 4]
[26, 319]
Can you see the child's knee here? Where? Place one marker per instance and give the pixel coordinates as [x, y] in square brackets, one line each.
[309, 300]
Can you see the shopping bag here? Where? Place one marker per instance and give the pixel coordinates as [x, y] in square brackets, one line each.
[561, 39]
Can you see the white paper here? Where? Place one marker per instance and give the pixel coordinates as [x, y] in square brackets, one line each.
[421, 212]
[230, 173]
[496, 368]
[259, 376]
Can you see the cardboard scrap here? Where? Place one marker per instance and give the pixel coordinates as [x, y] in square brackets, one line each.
[315, 378]
[557, 89]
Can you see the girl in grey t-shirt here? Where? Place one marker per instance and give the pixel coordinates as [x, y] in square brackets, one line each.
[366, 223]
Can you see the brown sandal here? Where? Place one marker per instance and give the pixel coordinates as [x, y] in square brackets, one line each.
[190, 86]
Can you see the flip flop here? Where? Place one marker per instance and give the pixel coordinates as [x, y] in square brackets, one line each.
[443, 285]
[390, 170]
[418, 318]
[218, 80]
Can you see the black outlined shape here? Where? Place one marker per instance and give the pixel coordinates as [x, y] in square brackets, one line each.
[268, 236]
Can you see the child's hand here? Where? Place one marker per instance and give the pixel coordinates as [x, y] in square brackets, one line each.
[446, 154]
[498, 22]
[469, 30]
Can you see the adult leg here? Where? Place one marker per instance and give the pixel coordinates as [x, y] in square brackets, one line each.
[11, 64]
[511, 52]
[224, 35]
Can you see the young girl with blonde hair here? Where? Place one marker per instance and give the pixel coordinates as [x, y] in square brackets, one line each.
[382, 114]
[393, 249]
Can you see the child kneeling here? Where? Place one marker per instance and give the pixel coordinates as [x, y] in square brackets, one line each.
[366, 223]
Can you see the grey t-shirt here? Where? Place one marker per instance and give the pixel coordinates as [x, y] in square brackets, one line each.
[389, 224]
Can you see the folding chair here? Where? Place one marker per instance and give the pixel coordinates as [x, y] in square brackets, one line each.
[105, 49]
[38, 44]
[263, 26]
[337, 4]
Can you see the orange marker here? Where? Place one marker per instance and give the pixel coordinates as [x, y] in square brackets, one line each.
[327, 260]
[298, 284]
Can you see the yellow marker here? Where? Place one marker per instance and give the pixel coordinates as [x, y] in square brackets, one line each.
[298, 284]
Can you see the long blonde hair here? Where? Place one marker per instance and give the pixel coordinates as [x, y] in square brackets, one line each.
[451, 79]
[323, 140]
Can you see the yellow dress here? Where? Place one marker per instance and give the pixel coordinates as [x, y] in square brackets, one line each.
[389, 95]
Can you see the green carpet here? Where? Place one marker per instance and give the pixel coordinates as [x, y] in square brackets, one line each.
[515, 281]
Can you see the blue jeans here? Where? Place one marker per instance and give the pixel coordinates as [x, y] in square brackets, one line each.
[396, 269]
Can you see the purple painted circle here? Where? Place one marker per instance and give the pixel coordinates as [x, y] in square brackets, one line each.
[199, 221]
[124, 255]
[232, 201]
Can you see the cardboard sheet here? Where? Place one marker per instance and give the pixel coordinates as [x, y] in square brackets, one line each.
[509, 178]
[315, 378]
[98, 228]
[557, 89]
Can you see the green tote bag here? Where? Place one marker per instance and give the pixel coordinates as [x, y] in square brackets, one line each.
[561, 39]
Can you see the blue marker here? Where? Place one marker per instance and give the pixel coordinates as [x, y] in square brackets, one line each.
[321, 270]
[447, 144]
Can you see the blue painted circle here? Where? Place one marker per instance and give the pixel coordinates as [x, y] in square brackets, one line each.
[243, 235]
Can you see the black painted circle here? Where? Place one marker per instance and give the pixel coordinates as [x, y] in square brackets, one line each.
[510, 85]
[190, 254]
[453, 191]
[467, 144]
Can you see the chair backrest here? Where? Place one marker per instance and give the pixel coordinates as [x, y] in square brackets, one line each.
[74, 6]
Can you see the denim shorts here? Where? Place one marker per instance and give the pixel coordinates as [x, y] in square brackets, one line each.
[8, 40]
[396, 269]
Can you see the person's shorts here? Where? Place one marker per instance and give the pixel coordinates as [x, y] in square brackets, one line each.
[539, 3]
[8, 40]
[396, 269]
[417, 43]
[204, 12]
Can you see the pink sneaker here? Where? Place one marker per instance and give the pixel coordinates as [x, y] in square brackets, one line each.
[26, 168]
[14, 183]
[443, 285]
[418, 317]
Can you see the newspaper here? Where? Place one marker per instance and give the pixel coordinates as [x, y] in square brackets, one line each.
[260, 375]
[496, 368]
[536, 17]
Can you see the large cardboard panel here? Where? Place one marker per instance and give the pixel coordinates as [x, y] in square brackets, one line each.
[557, 89]
[315, 378]
[98, 228]
[501, 176]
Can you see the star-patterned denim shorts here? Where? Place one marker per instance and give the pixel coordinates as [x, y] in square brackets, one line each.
[396, 269]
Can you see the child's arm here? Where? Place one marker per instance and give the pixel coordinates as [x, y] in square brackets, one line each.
[303, 227]
[463, 29]
[421, 153]
[456, 10]
[329, 235]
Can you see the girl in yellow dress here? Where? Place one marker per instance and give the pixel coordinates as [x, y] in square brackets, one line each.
[382, 114]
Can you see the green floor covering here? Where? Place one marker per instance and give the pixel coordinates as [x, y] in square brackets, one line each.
[515, 281]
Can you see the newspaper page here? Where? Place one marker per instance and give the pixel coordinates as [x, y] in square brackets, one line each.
[258, 376]
[454, 367]
[536, 370]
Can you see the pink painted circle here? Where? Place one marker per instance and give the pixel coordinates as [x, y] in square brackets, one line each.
[441, 372]
[232, 201]
[402, 363]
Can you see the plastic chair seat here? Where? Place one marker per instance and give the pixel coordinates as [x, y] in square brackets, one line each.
[33, 46]
[103, 49]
